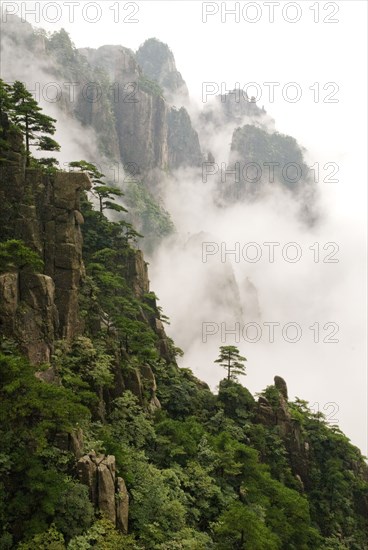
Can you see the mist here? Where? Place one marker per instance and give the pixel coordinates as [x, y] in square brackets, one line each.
[201, 295]
[206, 289]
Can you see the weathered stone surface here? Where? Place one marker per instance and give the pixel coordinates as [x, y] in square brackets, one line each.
[67, 188]
[108, 494]
[288, 428]
[87, 472]
[265, 413]
[151, 135]
[183, 141]
[106, 487]
[68, 308]
[233, 107]
[66, 279]
[149, 383]
[163, 345]
[76, 442]
[148, 377]
[134, 384]
[9, 297]
[137, 273]
[281, 386]
[158, 63]
[67, 256]
[122, 506]
[72, 442]
[43, 212]
[28, 313]
[78, 217]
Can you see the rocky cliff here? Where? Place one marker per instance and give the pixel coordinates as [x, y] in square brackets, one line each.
[114, 96]
[152, 135]
[118, 431]
[43, 212]
[38, 310]
[158, 63]
[277, 414]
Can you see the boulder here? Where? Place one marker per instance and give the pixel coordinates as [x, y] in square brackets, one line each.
[67, 188]
[281, 386]
[106, 487]
[87, 472]
[107, 494]
[122, 506]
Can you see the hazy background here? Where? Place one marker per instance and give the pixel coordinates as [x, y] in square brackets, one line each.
[306, 292]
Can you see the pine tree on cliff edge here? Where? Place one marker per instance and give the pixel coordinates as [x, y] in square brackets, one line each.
[28, 116]
[232, 361]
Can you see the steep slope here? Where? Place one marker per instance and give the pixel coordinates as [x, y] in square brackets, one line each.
[267, 158]
[158, 63]
[120, 448]
[133, 122]
[151, 133]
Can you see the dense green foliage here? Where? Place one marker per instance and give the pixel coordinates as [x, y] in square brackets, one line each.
[14, 255]
[36, 486]
[202, 471]
[195, 477]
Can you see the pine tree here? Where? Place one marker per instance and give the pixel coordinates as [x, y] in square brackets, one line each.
[5, 107]
[5, 98]
[105, 194]
[28, 116]
[232, 361]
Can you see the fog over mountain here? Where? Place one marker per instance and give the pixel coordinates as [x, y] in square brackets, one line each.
[183, 167]
[183, 276]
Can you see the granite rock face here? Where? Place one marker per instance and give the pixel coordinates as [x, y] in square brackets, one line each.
[44, 212]
[281, 386]
[183, 141]
[151, 134]
[107, 492]
[137, 274]
[122, 506]
[158, 63]
[289, 429]
[28, 310]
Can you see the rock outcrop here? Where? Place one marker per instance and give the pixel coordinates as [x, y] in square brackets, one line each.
[158, 63]
[234, 107]
[289, 429]
[151, 134]
[137, 274]
[28, 312]
[123, 96]
[281, 386]
[264, 158]
[44, 212]
[107, 492]
[183, 141]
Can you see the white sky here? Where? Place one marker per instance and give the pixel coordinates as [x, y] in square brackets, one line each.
[227, 52]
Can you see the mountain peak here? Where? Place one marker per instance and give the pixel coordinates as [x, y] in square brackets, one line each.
[158, 63]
